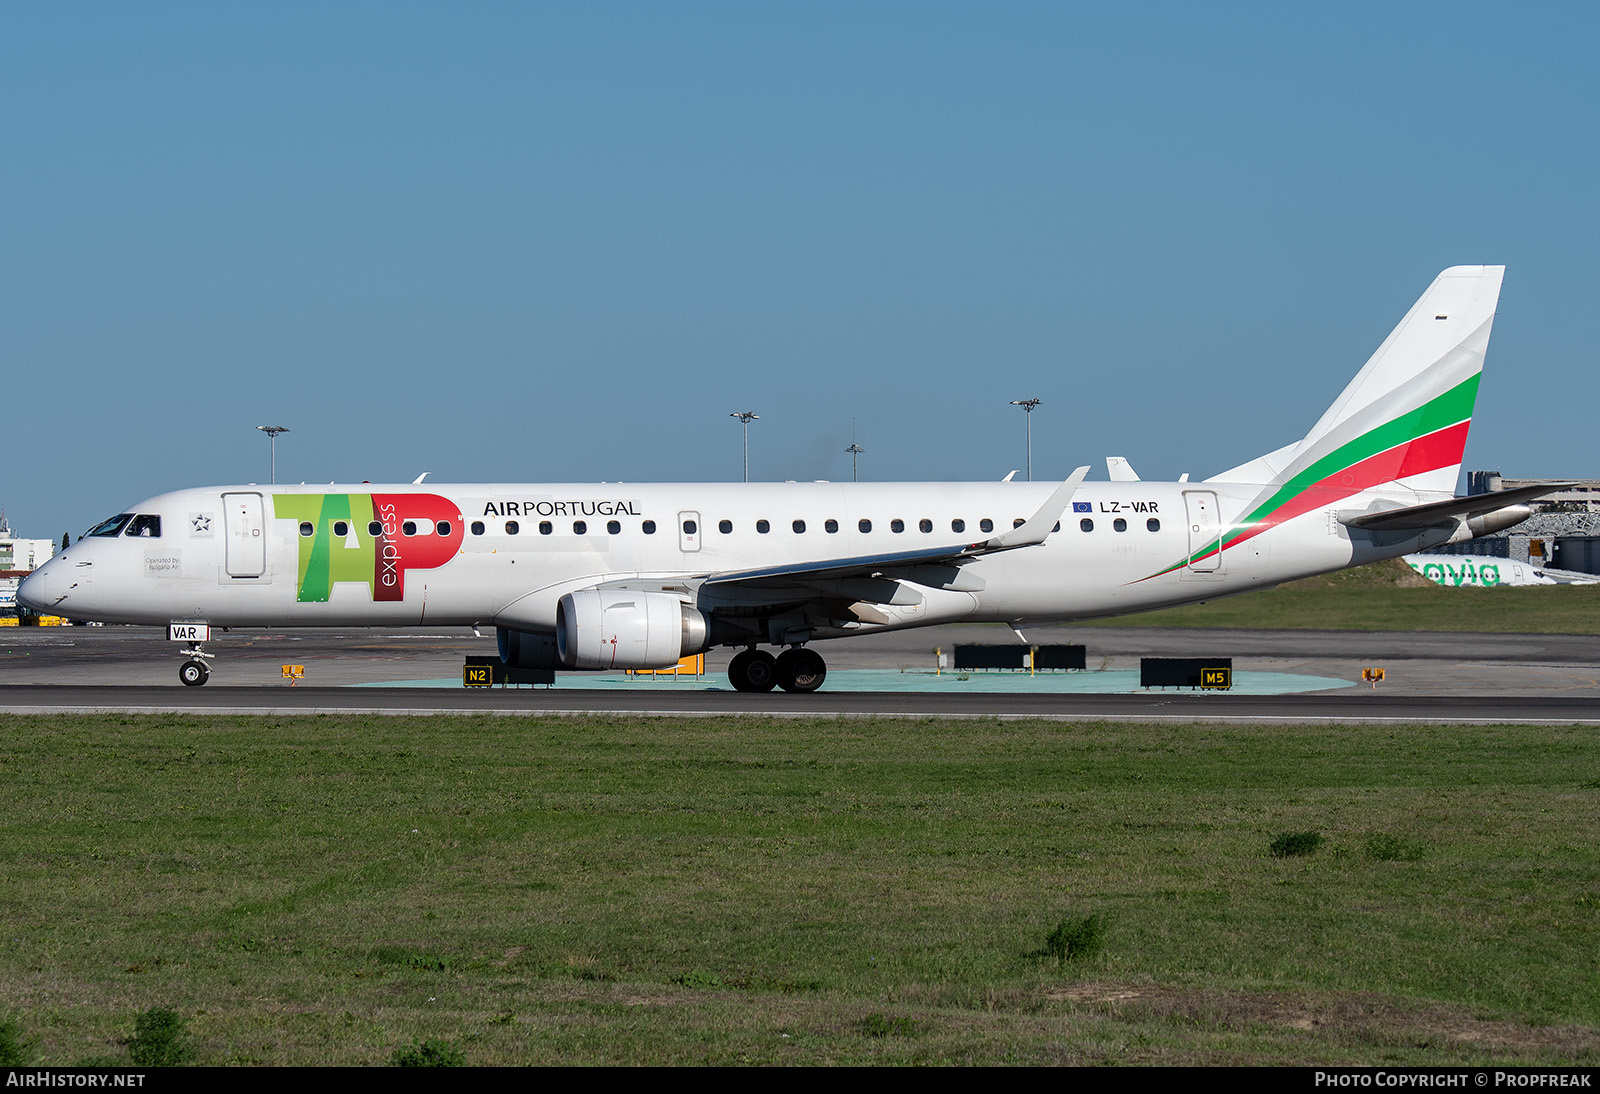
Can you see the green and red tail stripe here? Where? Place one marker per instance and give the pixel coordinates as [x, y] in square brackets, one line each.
[1431, 437]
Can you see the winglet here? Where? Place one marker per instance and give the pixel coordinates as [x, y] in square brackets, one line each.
[1041, 524]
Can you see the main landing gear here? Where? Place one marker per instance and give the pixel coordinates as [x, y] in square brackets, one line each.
[194, 671]
[797, 670]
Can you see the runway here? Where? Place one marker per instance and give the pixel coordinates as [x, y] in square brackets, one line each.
[1446, 678]
[1359, 707]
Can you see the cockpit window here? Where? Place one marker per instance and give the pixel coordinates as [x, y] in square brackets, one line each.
[111, 527]
[145, 524]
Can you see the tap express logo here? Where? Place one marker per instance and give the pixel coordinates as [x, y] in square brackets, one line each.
[370, 538]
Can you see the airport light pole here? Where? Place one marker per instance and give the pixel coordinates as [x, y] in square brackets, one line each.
[273, 431]
[1028, 405]
[746, 417]
[855, 451]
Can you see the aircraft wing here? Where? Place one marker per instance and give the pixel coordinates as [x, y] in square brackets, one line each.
[1031, 532]
[1448, 511]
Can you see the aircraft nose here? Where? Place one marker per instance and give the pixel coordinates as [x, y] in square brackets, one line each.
[43, 590]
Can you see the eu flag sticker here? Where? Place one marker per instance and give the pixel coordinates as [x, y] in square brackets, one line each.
[1081, 507]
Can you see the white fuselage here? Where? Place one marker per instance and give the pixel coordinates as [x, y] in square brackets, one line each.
[506, 554]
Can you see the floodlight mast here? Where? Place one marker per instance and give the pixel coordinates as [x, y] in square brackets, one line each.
[746, 417]
[1028, 405]
[273, 431]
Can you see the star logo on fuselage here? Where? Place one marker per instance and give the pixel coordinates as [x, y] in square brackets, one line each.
[200, 522]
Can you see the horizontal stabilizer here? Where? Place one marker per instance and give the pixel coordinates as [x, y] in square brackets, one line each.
[1445, 512]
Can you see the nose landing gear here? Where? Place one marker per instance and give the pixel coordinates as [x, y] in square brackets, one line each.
[194, 671]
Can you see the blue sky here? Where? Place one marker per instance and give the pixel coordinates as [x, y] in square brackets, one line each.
[561, 242]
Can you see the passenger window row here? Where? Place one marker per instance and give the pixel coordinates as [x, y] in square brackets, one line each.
[341, 528]
[149, 526]
[1120, 525]
[725, 527]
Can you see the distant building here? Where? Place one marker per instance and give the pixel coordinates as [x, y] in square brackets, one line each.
[1582, 496]
[17, 558]
[1564, 530]
[22, 554]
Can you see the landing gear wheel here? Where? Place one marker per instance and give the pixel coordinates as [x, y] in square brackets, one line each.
[753, 670]
[194, 673]
[801, 670]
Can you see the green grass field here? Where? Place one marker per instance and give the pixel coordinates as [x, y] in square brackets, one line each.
[1389, 596]
[542, 890]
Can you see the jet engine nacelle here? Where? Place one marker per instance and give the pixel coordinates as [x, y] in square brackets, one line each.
[1499, 520]
[620, 629]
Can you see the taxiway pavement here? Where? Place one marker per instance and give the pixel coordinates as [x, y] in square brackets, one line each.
[1429, 677]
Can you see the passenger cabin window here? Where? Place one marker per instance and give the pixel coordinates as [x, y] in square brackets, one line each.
[374, 528]
[1153, 524]
[925, 525]
[831, 526]
[545, 528]
[409, 527]
[763, 527]
[1086, 524]
[442, 527]
[306, 529]
[958, 525]
[613, 527]
[341, 528]
[724, 526]
[111, 527]
[147, 525]
[580, 527]
[897, 525]
[986, 525]
[865, 525]
[477, 527]
[512, 528]
[649, 527]
[799, 527]
[690, 527]
[1120, 525]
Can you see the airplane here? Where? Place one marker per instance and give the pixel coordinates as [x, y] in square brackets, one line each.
[619, 576]
[1488, 572]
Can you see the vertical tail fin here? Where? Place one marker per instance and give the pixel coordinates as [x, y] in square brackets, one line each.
[1401, 422]
[1405, 415]
[1404, 418]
